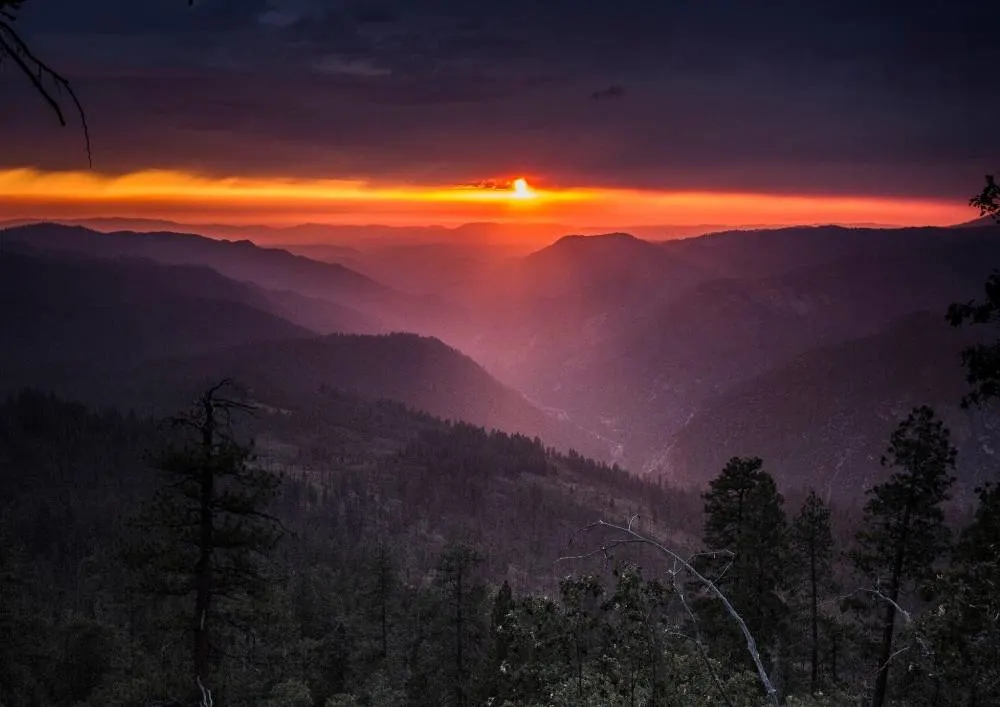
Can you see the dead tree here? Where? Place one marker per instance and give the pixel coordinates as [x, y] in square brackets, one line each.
[629, 536]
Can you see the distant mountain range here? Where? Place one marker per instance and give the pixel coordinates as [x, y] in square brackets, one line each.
[132, 331]
[981, 222]
[239, 260]
[362, 303]
[802, 345]
[641, 341]
[81, 310]
[342, 241]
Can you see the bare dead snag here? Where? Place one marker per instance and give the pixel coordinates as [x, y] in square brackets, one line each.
[632, 537]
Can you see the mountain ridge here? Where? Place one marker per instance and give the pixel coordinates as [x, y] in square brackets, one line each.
[87, 310]
[823, 419]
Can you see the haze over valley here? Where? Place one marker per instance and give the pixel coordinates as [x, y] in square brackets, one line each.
[659, 356]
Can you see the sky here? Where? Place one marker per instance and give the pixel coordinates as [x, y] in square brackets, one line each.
[617, 113]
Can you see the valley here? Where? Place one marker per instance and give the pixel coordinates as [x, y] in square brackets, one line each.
[656, 355]
[447, 435]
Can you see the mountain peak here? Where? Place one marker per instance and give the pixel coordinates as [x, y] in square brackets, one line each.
[603, 249]
[981, 222]
[617, 236]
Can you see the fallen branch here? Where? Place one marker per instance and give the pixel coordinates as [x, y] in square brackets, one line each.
[206, 694]
[633, 537]
[698, 639]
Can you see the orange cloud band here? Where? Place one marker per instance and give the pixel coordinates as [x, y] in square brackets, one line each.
[28, 193]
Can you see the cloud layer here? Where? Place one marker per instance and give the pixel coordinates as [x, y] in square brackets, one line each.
[844, 97]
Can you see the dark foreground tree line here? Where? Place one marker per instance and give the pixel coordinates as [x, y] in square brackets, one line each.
[256, 613]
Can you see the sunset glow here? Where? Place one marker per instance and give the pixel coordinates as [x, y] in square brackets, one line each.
[188, 197]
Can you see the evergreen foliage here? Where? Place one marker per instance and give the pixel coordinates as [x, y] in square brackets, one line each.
[744, 516]
[811, 543]
[903, 532]
[372, 606]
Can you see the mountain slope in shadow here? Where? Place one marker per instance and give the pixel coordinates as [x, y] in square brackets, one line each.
[823, 420]
[66, 311]
[136, 333]
[635, 368]
[271, 268]
[421, 372]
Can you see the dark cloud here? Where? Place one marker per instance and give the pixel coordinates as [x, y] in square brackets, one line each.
[818, 95]
[370, 14]
[609, 93]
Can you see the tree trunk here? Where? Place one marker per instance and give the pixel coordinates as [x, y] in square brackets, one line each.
[459, 668]
[888, 627]
[579, 667]
[203, 570]
[833, 656]
[889, 622]
[815, 620]
[383, 591]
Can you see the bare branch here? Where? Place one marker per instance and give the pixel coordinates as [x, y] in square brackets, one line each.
[206, 694]
[892, 657]
[698, 640]
[922, 643]
[878, 594]
[632, 537]
[37, 71]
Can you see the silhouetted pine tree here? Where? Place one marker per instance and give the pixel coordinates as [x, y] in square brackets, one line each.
[744, 514]
[962, 625]
[207, 529]
[811, 541]
[903, 531]
[463, 629]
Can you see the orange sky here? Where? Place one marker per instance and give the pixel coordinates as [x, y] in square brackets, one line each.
[191, 198]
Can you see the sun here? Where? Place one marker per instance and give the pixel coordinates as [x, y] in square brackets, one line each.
[521, 189]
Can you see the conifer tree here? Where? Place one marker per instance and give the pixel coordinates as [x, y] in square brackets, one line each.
[378, 591]
[207, 529]
[988, 200]
[811, 542]
[638, 624]
[982, 360]
[744, 514]
[963, 623]
[502, 604]
[464, 634]
[583, 599]
[903, 531]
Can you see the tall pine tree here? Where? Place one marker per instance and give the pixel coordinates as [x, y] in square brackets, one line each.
[903, 531]
[464, 629]
[811, 542]
[963, 624]
[207, 529]
[744, 514]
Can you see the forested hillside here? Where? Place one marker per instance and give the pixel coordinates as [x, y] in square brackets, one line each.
[357, 478]
[419, 563]
[637, 340]
[80, 312]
